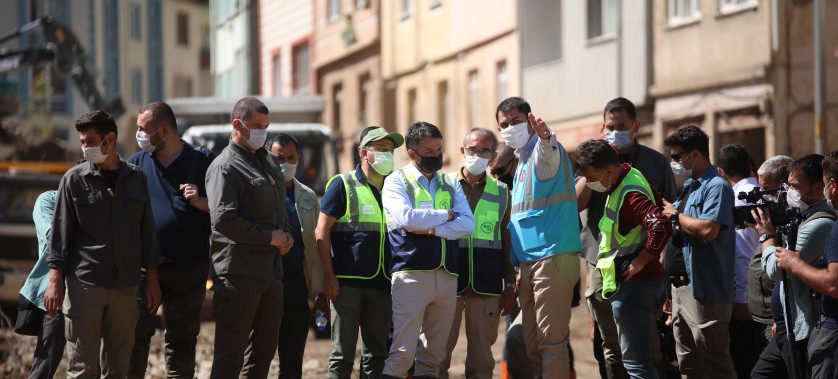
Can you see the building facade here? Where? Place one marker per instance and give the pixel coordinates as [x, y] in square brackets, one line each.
[449, 63]
[578, 55]
[234, 43]
[346, 55]
[285, 29]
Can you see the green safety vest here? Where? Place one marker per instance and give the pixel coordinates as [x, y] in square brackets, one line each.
[482, 251]
[411, 252]
[612, 244]
[358, 237]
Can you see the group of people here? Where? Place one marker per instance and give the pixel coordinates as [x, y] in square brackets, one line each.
[405, 257]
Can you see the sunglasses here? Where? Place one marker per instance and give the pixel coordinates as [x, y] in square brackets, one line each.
[677, 156]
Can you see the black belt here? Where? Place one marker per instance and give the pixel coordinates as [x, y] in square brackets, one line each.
[679, 280]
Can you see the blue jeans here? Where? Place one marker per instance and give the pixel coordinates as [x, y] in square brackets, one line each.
[635, 307]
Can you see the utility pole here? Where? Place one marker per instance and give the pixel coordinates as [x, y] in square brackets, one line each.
[817, 47]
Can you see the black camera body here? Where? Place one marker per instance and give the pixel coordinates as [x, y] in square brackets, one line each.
[777, 208]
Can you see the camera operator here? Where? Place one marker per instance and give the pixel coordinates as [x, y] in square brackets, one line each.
[823, 343]
[805, 193]
[746, 341]
[772, 175]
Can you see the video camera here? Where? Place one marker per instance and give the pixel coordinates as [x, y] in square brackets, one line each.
[772, 201]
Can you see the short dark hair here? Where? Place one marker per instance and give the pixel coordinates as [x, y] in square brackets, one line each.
[364, 133]
[282, 139]
[596, 153]
[690, 137]
[418, 131]
[101, 121]
[161, 112]
[830, 165]
[482, 133]
[809, 166]
[735, 160]
[511, 103]
[618, 105]
[245, 107]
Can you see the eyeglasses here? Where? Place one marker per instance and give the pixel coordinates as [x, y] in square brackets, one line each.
[677, 156]
[483, 153]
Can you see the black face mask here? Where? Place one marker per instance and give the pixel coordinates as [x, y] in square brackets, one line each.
[430, 164]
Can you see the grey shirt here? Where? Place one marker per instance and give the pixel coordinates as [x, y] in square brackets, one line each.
[102, 236]
[246, 203]
[654, 166]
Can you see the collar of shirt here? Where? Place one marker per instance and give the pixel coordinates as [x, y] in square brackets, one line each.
[464, 182]
[359, 174]
[429, 184]
[619, 180]
[91, 169]
[820, 206]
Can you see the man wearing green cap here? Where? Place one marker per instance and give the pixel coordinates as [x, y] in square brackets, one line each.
[355, 256]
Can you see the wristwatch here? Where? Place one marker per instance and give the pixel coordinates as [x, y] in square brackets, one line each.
[764, 237]
[674, 218]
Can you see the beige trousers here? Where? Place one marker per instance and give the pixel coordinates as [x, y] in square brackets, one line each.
[423, 310]
[702, 337]
[545, 292]
[482, 317]
[99, 326]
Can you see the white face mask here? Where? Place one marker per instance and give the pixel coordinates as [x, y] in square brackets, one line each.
[679, 170]
[144, 141]
[597, 185]
[516, 136]
[288, 171]
[94, 154]
[795, 199]
[257, 137]
[476, 165]
[383, 162]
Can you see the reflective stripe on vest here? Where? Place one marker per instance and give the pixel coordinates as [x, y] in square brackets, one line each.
[421, 198]
[613, 244]
[363, 214]
[487, 231]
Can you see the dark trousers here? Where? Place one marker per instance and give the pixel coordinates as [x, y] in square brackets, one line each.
[774, 361]
[746, 343]
[247, 315]
[823, 353]
[293, 331]
[50, 347]
[183, 287]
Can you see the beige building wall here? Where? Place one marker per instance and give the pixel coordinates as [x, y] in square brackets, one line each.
[184, 73]
[346, 61]
[282, 25]
[712, 69]
[450, 63]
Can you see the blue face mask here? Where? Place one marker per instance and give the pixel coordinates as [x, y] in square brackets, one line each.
[619, 138]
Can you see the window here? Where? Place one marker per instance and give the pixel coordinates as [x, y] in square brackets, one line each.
[502, 82]
[411, 105]
[137, 86]
[182, 29]
[334, 10]
[602, 18]
[732, 6]
[442, 104]
[183, 87]
[407, 9]
[435, 4]
[473, 98]
[337, 93]
[683, 11]
[277, 73]
[363, 100]
[302, 75]
[136, 22]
